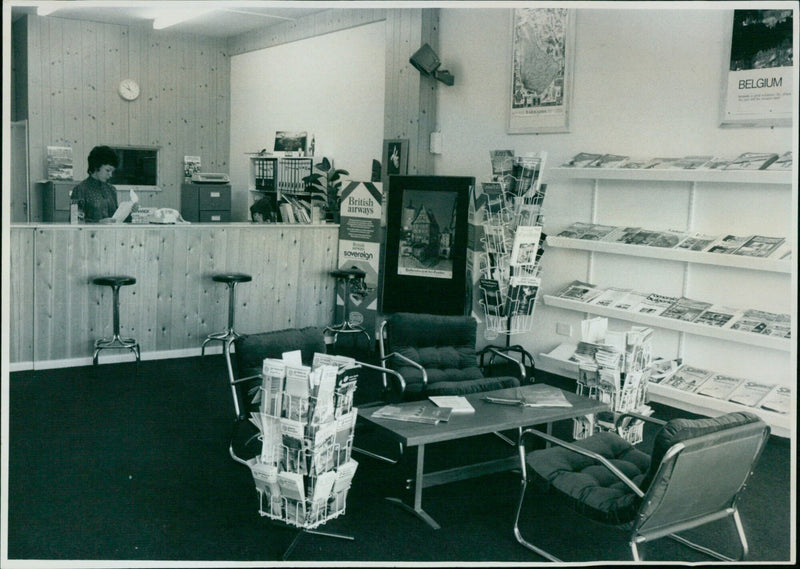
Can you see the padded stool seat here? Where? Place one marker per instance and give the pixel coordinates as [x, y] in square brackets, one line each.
[115, 343]
[231, 280]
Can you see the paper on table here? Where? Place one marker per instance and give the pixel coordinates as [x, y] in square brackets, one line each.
[457, 403]
[295, 357]
[125, 208]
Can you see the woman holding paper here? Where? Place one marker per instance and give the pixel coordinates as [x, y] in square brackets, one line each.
[95, 198]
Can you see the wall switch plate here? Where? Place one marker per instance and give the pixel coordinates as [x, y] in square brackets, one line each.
[563, 329]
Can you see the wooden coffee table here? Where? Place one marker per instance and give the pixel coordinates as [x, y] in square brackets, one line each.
[487, 418]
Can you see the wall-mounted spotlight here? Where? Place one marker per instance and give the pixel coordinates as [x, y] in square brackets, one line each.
[427, 62]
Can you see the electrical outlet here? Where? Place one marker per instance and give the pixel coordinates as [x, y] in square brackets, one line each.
[563, 329]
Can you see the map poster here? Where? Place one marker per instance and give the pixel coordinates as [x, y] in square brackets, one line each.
[542, 51]
[359, 246]
[758, 74]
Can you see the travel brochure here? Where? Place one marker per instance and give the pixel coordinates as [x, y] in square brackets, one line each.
[680, 308]
[744, 161]
[744, 391]
[761, 246]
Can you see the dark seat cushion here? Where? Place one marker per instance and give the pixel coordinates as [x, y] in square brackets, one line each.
[251, 349]
[594, 491]
[590, 487]
[445, 347]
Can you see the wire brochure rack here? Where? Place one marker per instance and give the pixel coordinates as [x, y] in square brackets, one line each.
[615, 371]
[305, 422]
[509, 266]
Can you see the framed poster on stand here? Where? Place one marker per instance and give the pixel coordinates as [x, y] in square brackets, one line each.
[426, 245]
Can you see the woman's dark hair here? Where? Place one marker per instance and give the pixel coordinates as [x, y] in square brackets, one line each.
[101, 155]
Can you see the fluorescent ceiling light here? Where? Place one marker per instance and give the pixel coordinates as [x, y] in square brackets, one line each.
[171, 16]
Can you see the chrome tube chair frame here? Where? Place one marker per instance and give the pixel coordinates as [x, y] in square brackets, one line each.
[235, 382]
[653, 519]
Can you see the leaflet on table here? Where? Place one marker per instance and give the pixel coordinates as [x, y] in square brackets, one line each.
[421, 413]
[459, 404]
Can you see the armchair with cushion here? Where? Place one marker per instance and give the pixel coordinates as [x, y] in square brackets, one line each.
[436, 355]
[694, 476]
[244, 364]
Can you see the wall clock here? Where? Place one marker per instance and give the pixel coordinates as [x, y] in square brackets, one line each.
[129, 89]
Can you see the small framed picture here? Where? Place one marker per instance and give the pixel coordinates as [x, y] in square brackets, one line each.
[395, 157]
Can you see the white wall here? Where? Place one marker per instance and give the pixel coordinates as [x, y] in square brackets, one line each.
[331, 85]
[646, 83]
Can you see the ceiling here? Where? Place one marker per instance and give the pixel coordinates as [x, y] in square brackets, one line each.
[224, 19]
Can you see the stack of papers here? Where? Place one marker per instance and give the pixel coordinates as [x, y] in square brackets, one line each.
[421, 413]
[457, 403]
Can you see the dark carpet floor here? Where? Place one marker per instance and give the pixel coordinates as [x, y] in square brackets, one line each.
[119, 464]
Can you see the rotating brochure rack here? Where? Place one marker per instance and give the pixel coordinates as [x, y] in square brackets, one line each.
[617, 373]
[509, 266]
[306, 421]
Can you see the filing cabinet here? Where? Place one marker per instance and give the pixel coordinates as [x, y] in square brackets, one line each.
[206, 202]
[55, 199]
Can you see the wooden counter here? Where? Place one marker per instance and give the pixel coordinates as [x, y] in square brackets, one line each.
[57, 313]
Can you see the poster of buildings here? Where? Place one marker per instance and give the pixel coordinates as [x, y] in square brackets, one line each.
[758, 70]
[427, 234]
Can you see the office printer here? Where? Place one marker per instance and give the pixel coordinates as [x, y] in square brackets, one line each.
[210, 178]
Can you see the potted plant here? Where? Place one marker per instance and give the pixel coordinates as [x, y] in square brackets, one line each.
[324, 185]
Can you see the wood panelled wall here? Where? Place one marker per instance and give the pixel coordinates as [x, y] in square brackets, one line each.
[410, 105]
[56, 313]
[72, 72]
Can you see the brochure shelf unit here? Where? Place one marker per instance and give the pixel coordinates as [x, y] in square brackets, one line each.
[751, 338]
[603, 180]
[736, 261]
[279, 175]
[781, 424]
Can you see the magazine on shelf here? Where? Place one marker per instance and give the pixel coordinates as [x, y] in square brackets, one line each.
[526, 245]
[750, 392]
[668, 239]
[662, 369]
[635, 163]
[697, 242]
[610, 296]
[580, 291]
[459, 404]
[687, 378]
[652, 238]
[752, 161]
[654, 304]
[421, 413]
[630, 301]
[758, 321]
[686, 309]
[719, 386]
[780, 328]
[719, 316]
[784, 162]
[608, 161]
[717, 163]
[660, 163]
[779, 399]
[588, 231]
[581, 160]
[521, 297]
[692, 162]
[620, 234]
[728, 244]
[760, 246]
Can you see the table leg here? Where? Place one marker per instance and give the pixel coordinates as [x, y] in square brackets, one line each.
[416, 509]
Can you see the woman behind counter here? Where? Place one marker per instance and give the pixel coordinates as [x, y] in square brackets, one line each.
[95, 197]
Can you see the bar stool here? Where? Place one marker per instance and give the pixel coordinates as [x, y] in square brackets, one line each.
[351, 281]
[115, 343]
[230, 279]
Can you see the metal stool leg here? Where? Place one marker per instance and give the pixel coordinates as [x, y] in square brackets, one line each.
[229, 333]
[116, 342]
[345, 327]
